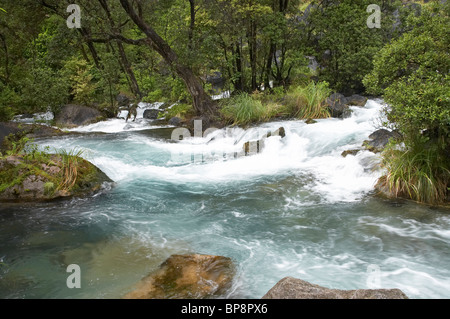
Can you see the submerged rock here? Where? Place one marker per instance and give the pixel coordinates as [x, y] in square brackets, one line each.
[292, 288]
[186, 276]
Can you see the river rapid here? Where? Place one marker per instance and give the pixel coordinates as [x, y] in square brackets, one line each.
[296, 209]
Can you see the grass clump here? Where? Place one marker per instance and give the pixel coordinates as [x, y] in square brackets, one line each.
[244, 109]
[308, 102]
[418, 172]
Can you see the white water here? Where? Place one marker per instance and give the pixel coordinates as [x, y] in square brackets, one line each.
[297, 209]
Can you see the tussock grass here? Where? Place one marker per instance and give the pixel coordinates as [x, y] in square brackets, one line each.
[417, 172]
[308, 102]
[70, 165]
[243, 109]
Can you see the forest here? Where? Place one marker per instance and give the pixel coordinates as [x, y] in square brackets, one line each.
[185, 51]
[166, 149]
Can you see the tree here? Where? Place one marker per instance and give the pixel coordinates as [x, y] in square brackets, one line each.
[202, 102]
[412, 73]
[343, 43]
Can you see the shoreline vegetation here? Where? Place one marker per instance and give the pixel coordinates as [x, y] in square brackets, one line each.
[279, 60]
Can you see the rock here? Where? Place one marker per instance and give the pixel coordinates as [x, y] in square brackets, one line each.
[41, 179]
[356, 100]
[337, 104]
[22, 129]
[379, 139]
[123, 100]
[175, 121]
[72, 115]
[186, 277]
[349, 152]
[292, 288]
[310, 121]
[151, 114]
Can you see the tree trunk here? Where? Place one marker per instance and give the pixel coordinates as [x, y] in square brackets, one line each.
[134, 86]
[203, 104]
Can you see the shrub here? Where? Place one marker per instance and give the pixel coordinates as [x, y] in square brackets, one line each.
[243, 109]
[416, 173]
[308, 102]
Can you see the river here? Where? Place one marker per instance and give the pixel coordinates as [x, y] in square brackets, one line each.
[296, 209]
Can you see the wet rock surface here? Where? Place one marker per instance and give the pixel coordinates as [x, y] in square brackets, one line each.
[186, 276]
[292, 288]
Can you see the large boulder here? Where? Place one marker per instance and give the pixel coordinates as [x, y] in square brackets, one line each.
[337, 105]
[379, 139]
[292, 288]
[72, 115]
[47, 177]
[356, 100]
[186, 277]
[151, 114]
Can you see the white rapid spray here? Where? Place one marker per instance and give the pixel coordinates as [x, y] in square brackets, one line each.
[307, 149]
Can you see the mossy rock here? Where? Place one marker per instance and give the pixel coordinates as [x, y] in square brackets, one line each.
[187, 277]
[51, 176]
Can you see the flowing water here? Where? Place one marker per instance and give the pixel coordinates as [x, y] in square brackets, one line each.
[296, 209]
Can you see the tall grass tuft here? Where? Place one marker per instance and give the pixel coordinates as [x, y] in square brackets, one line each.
[70, 164]
[308, 102]
[243, 109]
[417, 172]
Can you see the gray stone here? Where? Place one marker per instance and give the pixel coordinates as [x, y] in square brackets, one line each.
[72, 115]
[356, 100]
[151, 114]
[292, 288]
[175, 121]
[379, 139]
[337, 104]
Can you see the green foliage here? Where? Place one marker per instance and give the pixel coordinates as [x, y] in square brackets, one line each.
[243, 109]
[80, 76]
[413, 74]
[418, 172]
[179, 110]
[341, 31]
[308, 102]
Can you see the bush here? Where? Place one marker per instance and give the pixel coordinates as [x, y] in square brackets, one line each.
[416, 173]
[243, 109]
[413, 74]
[308, 102]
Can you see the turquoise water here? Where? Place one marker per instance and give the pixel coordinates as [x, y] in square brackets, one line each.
[297, 209]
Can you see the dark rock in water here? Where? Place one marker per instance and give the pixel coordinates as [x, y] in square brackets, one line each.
[151, 114]
[356, 100]
[292, 288]
[310, 121]
[175, 121]
[350, 152]
[187, 277]
[379, 139]
[73, 115]
[337, 104]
